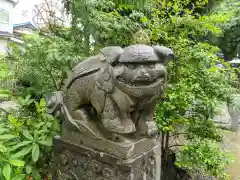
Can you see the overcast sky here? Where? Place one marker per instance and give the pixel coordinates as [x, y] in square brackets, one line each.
[23, 11]
[23, 5]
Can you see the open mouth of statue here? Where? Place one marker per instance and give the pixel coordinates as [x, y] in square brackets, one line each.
[142, 83]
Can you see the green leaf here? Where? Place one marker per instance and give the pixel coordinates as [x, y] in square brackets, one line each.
[35, 152]
[19, 177]
[5, 92]
[27, 98]
[7, 137]
[36, 174]
[37, 105]
[29, 169]
[18, 163]
[12, 119]
[3, 148]
[27, 134]
[21, 144]
[22, 153]
[47, 142]
[42, 103]
[7, 171]
[55, 125]
[36, 136]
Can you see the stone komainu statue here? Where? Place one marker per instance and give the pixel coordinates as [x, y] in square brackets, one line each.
[118, 88]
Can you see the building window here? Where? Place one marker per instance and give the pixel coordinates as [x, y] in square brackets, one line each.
[4, 16]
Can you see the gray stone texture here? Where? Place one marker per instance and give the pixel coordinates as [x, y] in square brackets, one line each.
[106, 109]
[75, 162]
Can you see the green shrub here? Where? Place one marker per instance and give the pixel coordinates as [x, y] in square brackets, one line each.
[26, 139]
[43, 64]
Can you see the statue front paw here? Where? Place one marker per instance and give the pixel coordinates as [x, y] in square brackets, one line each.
[149, 129]
[117, 125]
[152, 128]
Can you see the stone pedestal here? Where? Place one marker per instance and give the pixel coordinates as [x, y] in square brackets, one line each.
[78, 162]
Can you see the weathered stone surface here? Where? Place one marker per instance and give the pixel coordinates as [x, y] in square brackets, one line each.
[123, 148]
[108, 131]
[119, 88]
[75, 162]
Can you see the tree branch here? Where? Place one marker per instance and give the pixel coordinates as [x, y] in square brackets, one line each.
[50, 74]
[176, 145]
[178, 134]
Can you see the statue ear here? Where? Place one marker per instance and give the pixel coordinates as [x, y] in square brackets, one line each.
[112, 53]
[165, 54]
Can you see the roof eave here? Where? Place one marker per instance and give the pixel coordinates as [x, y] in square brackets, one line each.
[25, 24]
[16, 40]
[15, 2]
[5, 34]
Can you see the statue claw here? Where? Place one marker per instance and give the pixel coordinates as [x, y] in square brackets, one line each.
[150, 129]
[117, 126]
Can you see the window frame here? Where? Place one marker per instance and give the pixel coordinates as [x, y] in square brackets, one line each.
[8, 13]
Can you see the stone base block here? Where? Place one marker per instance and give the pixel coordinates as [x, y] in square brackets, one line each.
[124, 148]
[75, 162]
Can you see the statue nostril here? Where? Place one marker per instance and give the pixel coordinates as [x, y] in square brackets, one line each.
[142, 77]
[145, 76]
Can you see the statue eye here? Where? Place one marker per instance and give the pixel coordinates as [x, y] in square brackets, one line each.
[151, 66]
[131, 66]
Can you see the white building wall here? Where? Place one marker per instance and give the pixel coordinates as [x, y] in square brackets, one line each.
[3, 45]
[8, 6]
[6, 24]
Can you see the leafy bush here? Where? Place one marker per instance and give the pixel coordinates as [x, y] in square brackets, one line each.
[106, 22]
[6, 77]
[230, 41]
[201, 155]
[26, 140]
[43, 64]
[196, 85]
